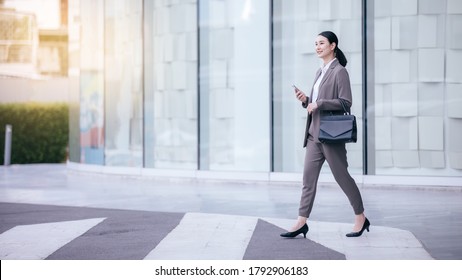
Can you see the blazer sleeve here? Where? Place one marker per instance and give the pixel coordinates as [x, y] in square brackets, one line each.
[342, 90]
[305, 104]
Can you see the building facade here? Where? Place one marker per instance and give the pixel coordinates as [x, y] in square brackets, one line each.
[206, 85]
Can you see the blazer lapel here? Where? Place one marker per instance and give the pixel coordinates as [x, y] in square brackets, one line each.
[328, 72]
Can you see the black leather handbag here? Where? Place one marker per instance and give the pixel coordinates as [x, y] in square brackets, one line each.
[340, 128]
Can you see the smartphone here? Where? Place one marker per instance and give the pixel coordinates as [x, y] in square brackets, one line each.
[296, 88]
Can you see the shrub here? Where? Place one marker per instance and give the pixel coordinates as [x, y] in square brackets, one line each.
[40, 132]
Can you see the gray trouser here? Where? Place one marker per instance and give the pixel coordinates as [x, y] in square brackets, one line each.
[315, 155]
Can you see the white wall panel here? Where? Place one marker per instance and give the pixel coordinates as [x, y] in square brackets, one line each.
[454, 100]
[432, 159]
[383, 133]
[454, 23]
[404, 35]
[431, 133]
[431, 65]
[383, 27]
[427, 7]
[404, 100]
[179, 74]
[384, 159]
[402, 8]
[431, 97]
[454, 7]
[427, 31]
[218, 73]
[383, 69]
[406, 159]
[400, 67]
[455, 135]
[404, 134]
[453, 66]
[382, 8]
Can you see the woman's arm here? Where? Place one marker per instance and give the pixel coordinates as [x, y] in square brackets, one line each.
[341, 90]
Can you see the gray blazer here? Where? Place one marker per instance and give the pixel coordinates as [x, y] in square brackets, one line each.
[335, 85]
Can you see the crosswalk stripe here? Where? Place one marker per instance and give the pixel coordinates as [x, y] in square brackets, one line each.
[206, 236]
[32, 242]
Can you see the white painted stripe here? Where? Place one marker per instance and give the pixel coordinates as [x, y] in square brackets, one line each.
[379, 243]
[35, 242]
[206, 237]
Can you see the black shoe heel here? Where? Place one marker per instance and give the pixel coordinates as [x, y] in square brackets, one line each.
[291, 234]
[359, 233]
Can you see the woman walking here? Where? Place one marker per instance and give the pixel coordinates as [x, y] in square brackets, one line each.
[331, 84]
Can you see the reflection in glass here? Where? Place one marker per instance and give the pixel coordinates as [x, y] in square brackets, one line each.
[91, 84]
[234, 85]
[171, 127]
[295, 27]
[123, 82]
[418, 112]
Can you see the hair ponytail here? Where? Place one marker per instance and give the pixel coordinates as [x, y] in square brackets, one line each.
[340, 56]
[332, 38]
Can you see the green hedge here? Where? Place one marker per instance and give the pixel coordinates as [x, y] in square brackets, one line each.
[40, 132]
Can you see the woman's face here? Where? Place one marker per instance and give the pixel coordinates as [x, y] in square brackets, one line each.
[323, 47]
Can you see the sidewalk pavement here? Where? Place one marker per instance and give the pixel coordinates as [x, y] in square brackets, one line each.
[49, 212]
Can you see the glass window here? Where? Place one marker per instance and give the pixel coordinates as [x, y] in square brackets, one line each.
[418, 120]
[296, 23]
[74, 80]
[234, 85]
[123, 82]
[171, 125]
[92, 140]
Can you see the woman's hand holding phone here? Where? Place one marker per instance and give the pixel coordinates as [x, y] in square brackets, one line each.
[299, 94]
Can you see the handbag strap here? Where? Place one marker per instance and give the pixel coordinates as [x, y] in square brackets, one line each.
[342, 102]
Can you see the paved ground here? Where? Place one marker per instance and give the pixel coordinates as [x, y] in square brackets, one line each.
[48, 212]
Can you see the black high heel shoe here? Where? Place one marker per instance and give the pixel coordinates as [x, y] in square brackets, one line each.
[291, 234]
[358, 233]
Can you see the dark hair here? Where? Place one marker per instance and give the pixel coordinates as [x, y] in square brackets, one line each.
[332, 38]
